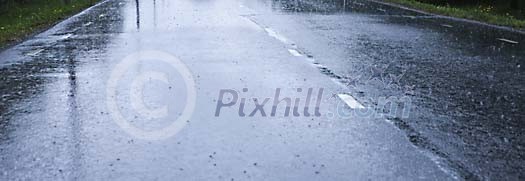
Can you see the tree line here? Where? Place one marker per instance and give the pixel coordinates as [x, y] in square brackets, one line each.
[7, 4]
[510, 4]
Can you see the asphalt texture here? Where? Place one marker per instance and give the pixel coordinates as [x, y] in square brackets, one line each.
[186, 90]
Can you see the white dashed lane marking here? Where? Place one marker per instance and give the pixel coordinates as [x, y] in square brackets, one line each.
[294, 52]
[66, 36]
[34, 53]
[276, 35]
[507, 40]
[350, 101]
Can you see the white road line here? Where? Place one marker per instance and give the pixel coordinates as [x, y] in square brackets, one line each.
[319, 66]
[276, 35]
[508, 41]
[34, 53]
[66, 36]
[55, 75]
[295, 52]
[446, 25]
[252, 23]
[350, 101]
[88, 23]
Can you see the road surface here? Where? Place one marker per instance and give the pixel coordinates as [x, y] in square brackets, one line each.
[262, 90]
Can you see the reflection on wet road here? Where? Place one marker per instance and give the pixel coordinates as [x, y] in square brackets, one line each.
[464, 80]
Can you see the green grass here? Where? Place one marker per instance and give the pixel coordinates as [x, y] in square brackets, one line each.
[21, 20]
[486, 14]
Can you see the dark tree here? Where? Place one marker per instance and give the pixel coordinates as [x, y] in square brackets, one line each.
[514, 4]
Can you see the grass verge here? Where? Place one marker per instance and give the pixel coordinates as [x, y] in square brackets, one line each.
[17, 21]
[483, 14]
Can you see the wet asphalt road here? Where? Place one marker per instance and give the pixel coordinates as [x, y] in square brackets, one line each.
[60, 106]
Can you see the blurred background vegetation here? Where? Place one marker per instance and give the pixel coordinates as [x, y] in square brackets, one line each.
[20, 18]
[513, 8]
[499, 12]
